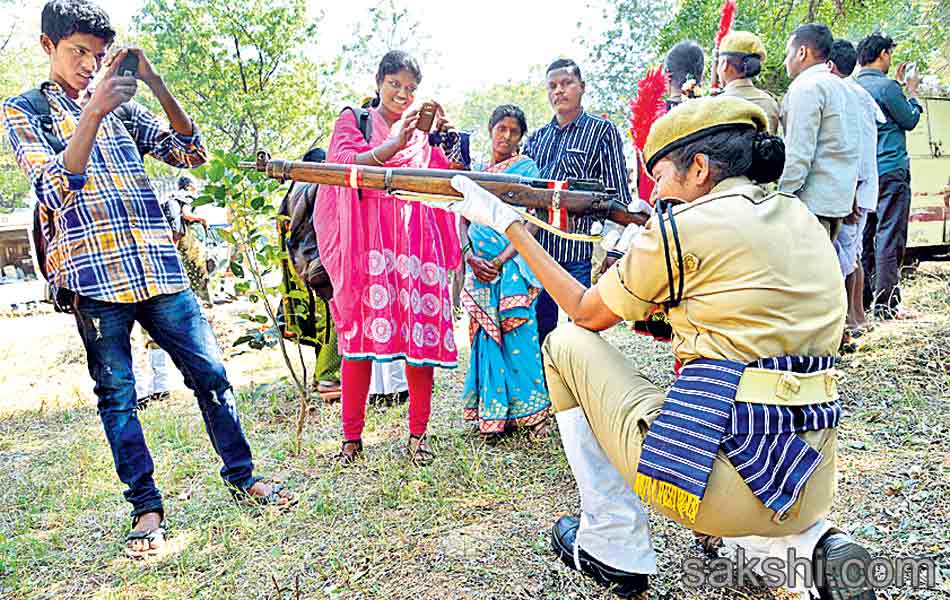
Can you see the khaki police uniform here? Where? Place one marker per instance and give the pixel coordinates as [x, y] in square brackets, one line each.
[759, 279]
[744, 88]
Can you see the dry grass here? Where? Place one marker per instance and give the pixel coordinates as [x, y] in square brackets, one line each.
[472, 526]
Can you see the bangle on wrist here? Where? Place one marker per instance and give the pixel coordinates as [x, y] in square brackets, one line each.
[372, 153]
[466, 248]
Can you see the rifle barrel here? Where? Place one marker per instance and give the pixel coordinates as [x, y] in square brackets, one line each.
[513, 189]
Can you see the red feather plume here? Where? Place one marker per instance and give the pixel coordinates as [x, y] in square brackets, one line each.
[726, 19]
[645, 108]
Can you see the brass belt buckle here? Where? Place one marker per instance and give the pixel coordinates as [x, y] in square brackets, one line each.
[788, 385]
[831, 383]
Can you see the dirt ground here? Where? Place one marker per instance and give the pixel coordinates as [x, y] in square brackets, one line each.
[472, 526]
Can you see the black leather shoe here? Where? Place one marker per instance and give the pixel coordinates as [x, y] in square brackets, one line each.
[623, 584]
[835, 552]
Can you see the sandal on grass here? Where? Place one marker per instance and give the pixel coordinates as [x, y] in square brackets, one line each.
[155, 537]
[540, 430]
[350, 452]
[278, 497]
[418, 450]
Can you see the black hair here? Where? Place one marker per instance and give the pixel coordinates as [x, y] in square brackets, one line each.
[393, 62]
[734, 152]
[871, 47]
[748, 65]
[315, 155]
[685, 60]
[844, 56]
[184, 182]
[509, 110]
[63, 18]
[565, 63]
[815, 36]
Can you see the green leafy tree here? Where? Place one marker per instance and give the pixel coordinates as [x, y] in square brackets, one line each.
[389, 25]
[250, 197]
[473, 112]
[22, 66]
[629, 45]
[240, 70]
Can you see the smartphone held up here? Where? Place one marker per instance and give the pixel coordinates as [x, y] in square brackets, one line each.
[129, 65]
[427, 114]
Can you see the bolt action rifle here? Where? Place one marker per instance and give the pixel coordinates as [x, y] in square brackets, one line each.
[557, 203]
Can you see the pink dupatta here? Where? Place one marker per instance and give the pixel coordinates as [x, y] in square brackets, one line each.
[389, 260]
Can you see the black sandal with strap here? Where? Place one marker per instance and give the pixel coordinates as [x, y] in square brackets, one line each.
[274, 498]
[153, 536]
[350, 451]
[421, 456]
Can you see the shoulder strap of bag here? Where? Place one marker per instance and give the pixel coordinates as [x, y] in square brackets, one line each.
[363, 120]
[40, 106]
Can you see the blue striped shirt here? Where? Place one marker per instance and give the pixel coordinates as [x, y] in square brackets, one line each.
[588, 147]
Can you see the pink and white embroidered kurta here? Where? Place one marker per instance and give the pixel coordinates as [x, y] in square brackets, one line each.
[389, 260]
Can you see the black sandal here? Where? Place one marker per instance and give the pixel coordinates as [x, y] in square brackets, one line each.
[350, 452]
[272, 499]
[421, 456]
[154, 536]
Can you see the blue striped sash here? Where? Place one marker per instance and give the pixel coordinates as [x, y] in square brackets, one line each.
[700, 416]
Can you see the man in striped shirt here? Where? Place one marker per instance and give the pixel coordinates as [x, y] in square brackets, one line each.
[109, 244]
[576, 145]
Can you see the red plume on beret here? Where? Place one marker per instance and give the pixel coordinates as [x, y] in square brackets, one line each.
[645, 108]
[726, 18]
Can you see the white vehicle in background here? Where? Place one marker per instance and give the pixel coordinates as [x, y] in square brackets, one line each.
[928, 235]
[21, 285]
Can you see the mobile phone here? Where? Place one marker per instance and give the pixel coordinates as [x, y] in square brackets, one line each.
[427, 116]
[910, 71]
[130, 65]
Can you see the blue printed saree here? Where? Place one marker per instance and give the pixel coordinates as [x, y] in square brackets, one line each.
[504, 386]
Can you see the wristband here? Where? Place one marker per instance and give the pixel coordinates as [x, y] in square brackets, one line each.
[372, 153]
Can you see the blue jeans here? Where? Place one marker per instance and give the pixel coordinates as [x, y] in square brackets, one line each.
[177, 324]
[547, 309]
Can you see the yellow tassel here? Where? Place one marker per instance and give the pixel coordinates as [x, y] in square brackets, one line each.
[667, 495]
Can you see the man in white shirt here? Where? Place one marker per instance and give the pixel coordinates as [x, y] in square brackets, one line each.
[848, 244]
[822, 136]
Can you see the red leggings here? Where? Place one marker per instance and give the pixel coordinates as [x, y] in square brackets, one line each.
[356, 376]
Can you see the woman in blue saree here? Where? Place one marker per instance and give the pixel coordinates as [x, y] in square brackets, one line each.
[504, 387]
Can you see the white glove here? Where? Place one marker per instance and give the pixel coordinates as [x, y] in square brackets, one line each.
[481, 206]
[626, 240]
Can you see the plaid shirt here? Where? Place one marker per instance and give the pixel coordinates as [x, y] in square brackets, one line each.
[111, 241]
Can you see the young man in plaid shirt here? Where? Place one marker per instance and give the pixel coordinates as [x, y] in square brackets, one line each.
[110, 245]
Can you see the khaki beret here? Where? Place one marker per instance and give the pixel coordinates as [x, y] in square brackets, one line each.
[742, 42]
[698, 118]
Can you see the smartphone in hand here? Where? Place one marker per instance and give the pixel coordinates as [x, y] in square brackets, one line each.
[129, 65]
[427, 116]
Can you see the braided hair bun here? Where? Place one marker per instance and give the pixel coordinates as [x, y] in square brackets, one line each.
[768, 158]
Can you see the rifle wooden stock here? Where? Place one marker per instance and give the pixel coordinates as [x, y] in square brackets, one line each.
[584, 199]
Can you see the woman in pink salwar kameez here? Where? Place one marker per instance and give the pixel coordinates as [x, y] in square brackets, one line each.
[389, 260]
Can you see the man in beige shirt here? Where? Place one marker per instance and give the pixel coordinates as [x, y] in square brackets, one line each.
[750, 284]
[741, 55]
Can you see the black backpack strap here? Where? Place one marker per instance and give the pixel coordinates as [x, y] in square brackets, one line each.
[40, 107]
[363, 120]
